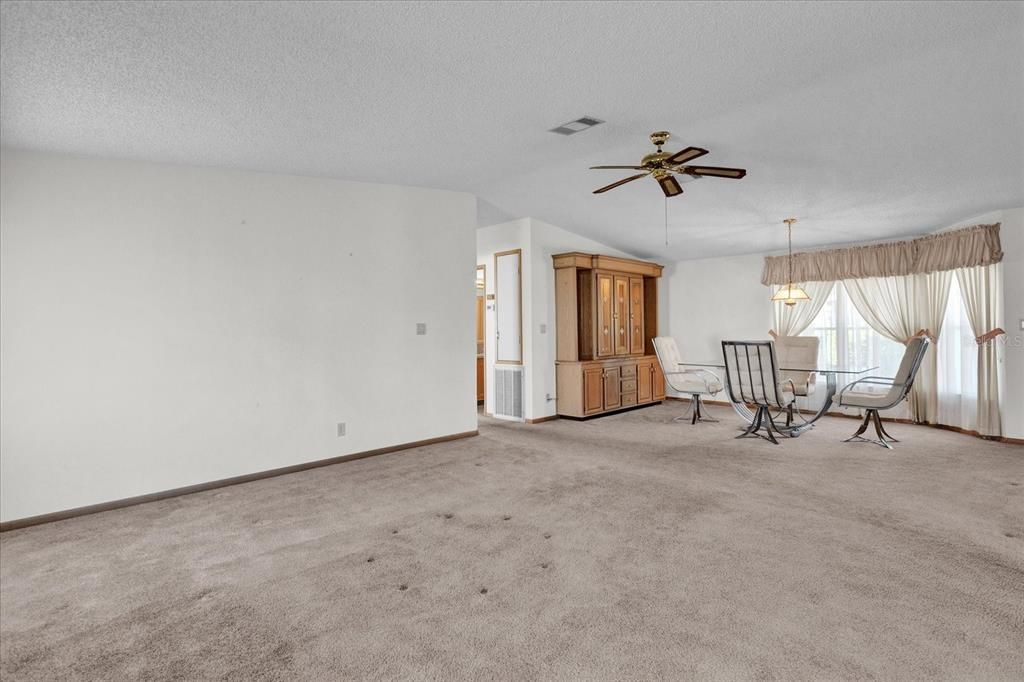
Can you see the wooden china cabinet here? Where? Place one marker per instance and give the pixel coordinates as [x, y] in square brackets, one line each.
[606, 315]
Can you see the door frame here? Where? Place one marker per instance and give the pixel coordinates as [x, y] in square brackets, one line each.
[483, 295]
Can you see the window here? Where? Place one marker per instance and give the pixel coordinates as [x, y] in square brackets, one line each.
[847, 342]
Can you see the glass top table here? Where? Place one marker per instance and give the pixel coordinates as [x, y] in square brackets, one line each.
[830, 372]
[824, 369]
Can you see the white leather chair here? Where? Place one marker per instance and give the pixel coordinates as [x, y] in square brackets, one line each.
[696, 382]
[797, 351]
[872, 394]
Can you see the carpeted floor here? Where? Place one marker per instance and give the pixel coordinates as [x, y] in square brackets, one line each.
[628, 547]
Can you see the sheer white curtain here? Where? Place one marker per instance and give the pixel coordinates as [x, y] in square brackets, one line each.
[958, 366]
[899, 308]
[792, 320]
[981, 287]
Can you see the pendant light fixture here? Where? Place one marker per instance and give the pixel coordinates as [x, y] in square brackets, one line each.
[790, 293]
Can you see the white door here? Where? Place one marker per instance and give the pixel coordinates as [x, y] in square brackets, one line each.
[508, 300]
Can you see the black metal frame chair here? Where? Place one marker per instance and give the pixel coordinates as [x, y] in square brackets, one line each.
[752, 376]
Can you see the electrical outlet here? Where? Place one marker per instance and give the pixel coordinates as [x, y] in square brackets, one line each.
[543, 329]
[421, 329]
[1022, 325]
[341, 429]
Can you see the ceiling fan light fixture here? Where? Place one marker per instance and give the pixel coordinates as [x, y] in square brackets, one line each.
[668, 168]
[790, 294]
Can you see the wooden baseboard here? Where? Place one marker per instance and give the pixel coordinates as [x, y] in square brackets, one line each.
[222, 483]
[894, 420]
[617, 410]
[540, 420]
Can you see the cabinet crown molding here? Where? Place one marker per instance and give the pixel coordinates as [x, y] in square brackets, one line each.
[593, 261]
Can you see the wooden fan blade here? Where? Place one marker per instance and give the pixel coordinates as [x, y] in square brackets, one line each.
[684, 155]
[621, 182]
[670, 186]
[620, 167]
[715, 171]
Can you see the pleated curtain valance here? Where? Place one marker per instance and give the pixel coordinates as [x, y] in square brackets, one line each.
[964, 248]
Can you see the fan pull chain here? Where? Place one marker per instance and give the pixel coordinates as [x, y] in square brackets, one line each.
[666, 221]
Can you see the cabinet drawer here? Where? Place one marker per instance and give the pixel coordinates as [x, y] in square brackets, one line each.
[628, 371]
[629, 385]
[629, 399]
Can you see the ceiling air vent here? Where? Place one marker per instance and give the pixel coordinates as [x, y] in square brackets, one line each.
[577, 126]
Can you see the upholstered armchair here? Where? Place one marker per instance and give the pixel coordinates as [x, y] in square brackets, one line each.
[797, 351]
[696, 382]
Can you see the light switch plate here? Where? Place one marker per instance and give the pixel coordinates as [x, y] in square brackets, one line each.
[421, 329]
[1022, 325]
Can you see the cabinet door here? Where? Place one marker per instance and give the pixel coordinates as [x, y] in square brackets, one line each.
[612, 388]
[658, 383]
[593, 390]
[644, 382]
[621, 332]
[605, 315]
[636, 315]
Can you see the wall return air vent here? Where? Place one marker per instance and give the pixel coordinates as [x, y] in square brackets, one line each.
[508, 392]
[577, 126]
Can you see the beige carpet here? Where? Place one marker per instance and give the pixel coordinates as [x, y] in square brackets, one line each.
[628, 547]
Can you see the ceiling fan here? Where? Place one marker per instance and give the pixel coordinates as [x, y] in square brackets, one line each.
[665, 165]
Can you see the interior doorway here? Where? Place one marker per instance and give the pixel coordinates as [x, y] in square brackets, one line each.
[481, 307]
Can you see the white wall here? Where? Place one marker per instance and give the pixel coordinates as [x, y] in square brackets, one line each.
[714, 299]
[538, 241]
[166, 325]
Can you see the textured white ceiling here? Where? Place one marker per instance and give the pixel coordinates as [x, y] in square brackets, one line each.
[863, 120]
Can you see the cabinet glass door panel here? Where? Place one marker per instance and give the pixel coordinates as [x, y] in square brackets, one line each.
[636, 315]
[605, 316]
[621, 321]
